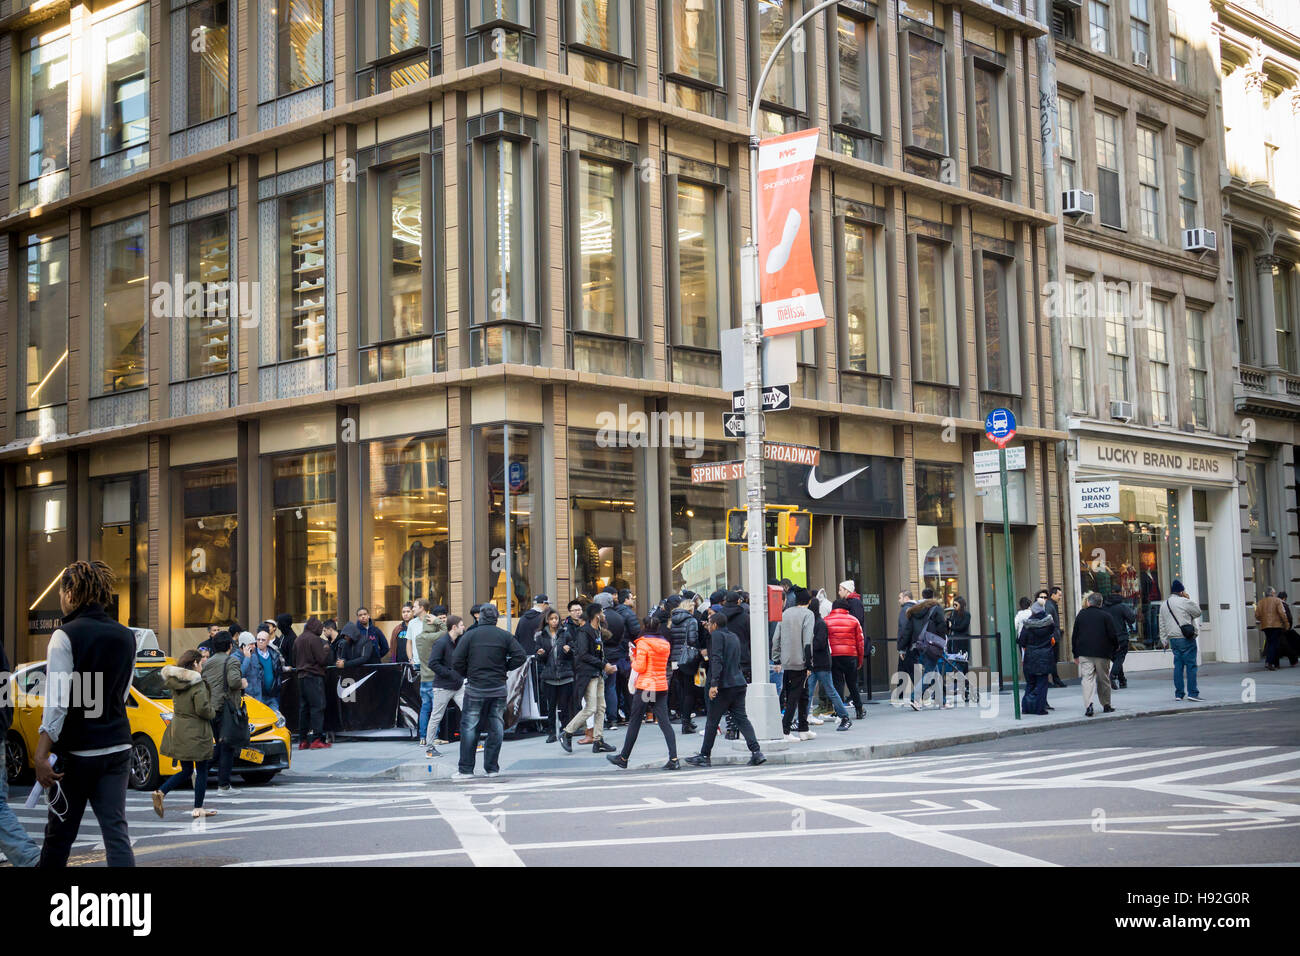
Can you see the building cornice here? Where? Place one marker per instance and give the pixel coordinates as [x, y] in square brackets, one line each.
[1105, 242]
[1143, 80]
[1095, 428]
[1251, 25]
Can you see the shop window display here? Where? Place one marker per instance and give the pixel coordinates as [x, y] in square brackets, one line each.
[939, 526]
[305, 535]
[408, 552]
[209, 534]
[602, 486]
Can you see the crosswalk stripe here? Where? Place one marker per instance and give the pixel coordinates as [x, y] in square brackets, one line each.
[1180, 759]
[1223, 768]
[1130, 755]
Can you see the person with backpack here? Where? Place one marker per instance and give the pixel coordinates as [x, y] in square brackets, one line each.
[226, 687]
[18, 848]
[1178, 616]
[821, 665]
[792, 657]
[924, 633]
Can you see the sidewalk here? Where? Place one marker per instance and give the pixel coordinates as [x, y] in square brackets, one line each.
[889, 730]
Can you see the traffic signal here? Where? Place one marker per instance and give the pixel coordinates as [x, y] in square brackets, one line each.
[737, 526]
[794, 529]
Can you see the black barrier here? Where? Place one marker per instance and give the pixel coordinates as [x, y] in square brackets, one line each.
[368, 699]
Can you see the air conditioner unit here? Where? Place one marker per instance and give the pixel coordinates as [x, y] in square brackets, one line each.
[1078, 202]
[1068, 4]
[1200, 240]
[1121, 411]
[1142, 59]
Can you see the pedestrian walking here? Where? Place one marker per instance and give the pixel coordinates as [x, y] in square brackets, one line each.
[312, 652]
[1095, 637]
[848, 649]
[727, 686]
[792, 658]
[925, 615]
[907, 655]
[421, 634]
[684, 638]
[226, 687]
[1126, 620]
[1037, 637]
[1289, 646]
[188, 737]
[648, 672]
[1178, 616]
[822, 662]
[589, 671]
[18, 848]
[485, 656]
[615, 635]
[89, 734]
[1270, 614]
[448, 680]
[556, 671]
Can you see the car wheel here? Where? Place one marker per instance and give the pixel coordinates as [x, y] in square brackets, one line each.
[16, 768]
[144, 764]
[260, 779]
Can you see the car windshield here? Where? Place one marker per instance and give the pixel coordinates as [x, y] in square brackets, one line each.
[149, 681]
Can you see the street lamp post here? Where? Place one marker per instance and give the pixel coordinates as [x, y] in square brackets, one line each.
[763, 707]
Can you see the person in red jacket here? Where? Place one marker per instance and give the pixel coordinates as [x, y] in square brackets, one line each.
[847, 651]
[650, 668]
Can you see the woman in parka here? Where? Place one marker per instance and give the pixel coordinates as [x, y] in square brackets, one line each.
[555, 659]
[188, 738]
[1037, 637]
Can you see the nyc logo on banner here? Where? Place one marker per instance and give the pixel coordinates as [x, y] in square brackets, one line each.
[787, 278]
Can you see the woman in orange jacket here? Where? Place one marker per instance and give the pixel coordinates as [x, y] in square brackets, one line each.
[649, 686]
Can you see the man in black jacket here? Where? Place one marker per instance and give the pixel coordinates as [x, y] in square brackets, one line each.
[1126, 620]
[589, 670]
[1095, 639]
[1055, 598]
[368, 628]
[615, 653]
[355, 648]
[727, 688]
[531, 622]
[485, 656]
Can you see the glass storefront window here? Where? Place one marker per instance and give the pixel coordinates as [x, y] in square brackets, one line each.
[302, 274]
[209, 325]
[43, 533]
[1129, 554]
[698, 523]
[44, 119]
[122, 44]
[119, 510]
[43, 324]
[300, 43]
[209, 531]
[525, 488]
[304, 530]
[939, 526]
[407, 528]
[118, 319]
[602, 515]
[208, 76]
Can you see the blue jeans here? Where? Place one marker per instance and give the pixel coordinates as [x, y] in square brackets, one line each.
[490, 712]
[426, 707]
[828, 688]
[18, 848]
[1184, 657]
[612, 696]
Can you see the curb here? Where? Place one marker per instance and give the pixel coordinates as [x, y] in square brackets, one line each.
[433, 771]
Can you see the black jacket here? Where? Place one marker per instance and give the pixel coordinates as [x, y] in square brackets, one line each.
[446, 676]
[855, 608]
[1123, 613]
[588, 653]
[355, 649]
[527, 628]
[915, 620]
[724, 660]
[738, 624]
[376, 635]
[104, 648]
[683, 631]
[619, 635]
[557, 665]
[285, 623]
[6, 700]
[485, 655]
[1036, 637]
[959, 623]
[821, 646]
[1095, 634]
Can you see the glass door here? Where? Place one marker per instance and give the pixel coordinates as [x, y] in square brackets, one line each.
[864, 560]
[994, 600]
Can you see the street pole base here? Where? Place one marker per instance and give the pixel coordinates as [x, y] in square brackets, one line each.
[764, 710]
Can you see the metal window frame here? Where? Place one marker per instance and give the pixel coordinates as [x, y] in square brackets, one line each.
[926, 34]
[625, 237]
[480, 312]
[1010, 317]
[865, 14]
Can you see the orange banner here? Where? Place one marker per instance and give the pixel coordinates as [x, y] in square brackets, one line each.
[787, 278]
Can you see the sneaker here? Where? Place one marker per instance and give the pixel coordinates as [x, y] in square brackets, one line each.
[816, 721]
[699, 760]
[158, 803]
[618, 760]
[318, 745]
[551, 738]
[791, 738]
[688, 729]
[227, 791]
[807, 734]
[845, 724]
[1088, 712]
[1108, 710]
[462, 777]
[914, 705]
[1194, 697]
[862, 714]
[492, 773]
[672, 764]
[600, 747]
[1179, 699]
[757, 758]
[566, 742]
[303, 745]
[432, 752]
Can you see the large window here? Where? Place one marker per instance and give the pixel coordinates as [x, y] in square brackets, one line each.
[1099, 25]
[42, 515]
[1080, 387]
[1188, 192]
[933, 325]
[208, 318]
[209, 556]
[304, 535]
[119, 305]
[865, 362]
[1178, 51]
[999, 326]
[693, 54]
[1110, 190]
[925, 97]
[120, 516]
[603, 285]
[1148, 157]
[853, 84]
[302, 283]
[599, 40]
[1069, 109]
[1158, 360]
[1243, 276]
[1198, 366]
[515, 470]
[300, 41]
[603, 486]
[44, 122]
[393, 43]
[1257, 499]
[207, 42]
[1117, 349]
[1283, 309]
[43, 331]
[990, 132]
[939, 527]
[501, 29]
[1139, 30]
[698, 523]
[406, 532]
[121, 46]
[784, 94]
[698, 257]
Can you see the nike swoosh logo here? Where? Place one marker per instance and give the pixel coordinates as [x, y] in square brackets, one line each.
[820, 489]
[351, 689]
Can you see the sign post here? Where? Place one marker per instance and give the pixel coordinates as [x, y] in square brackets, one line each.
[1000, 428]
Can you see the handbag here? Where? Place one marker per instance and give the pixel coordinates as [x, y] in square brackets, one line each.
[234, 725]
[929, 643]
[1189, 630]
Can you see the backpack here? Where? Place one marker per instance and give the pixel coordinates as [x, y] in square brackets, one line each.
[930, 643]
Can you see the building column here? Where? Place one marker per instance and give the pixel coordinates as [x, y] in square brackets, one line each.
[1255, 120]
[1267, 309]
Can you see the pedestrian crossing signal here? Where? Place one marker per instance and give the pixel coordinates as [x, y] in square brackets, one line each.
[794, 529]
[737, 526]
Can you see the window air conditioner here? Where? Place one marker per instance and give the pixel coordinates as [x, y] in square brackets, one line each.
[1078, 202]
[1200, 240]
[1142, 59]
[1121, 411]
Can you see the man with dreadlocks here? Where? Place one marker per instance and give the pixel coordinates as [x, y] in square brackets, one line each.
[90, 662]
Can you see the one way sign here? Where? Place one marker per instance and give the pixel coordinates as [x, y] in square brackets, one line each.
[776, 398]
[733, 424]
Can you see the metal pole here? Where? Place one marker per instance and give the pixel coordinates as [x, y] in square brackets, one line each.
[1011, 588]
[505, 462]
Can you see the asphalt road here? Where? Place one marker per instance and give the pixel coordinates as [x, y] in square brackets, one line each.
[1201, 787]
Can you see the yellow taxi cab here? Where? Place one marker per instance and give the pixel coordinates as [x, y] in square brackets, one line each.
[150, 709]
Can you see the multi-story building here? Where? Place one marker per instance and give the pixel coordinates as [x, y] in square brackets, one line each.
[1143, 389]
[1257, 51]
[323, 304]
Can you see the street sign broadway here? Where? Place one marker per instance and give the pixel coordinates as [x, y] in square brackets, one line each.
[776, 398]
[794, 454]
[1000, 426]
[717, 471]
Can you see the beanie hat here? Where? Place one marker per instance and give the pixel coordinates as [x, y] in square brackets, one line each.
[488, 613]
[672, 601]
[848, 585]
[1176, 587]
